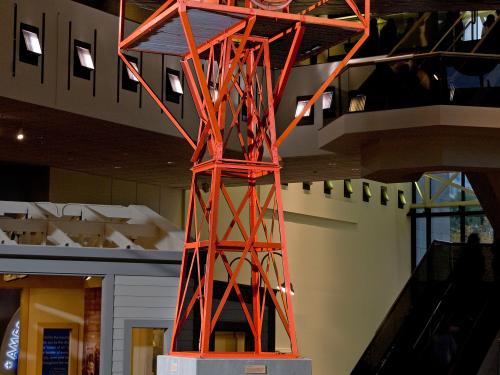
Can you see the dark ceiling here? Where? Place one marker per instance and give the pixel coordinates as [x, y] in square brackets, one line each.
[138, 9]
[74, 142]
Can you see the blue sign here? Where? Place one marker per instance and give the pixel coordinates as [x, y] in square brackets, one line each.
[56, 343]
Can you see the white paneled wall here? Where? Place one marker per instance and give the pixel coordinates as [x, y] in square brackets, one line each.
[66, 21]
[135, 109]
[140, 298]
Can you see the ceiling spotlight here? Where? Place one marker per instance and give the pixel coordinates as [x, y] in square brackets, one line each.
[88, 278]
[20, 135]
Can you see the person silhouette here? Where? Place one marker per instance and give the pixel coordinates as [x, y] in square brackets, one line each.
[388, 36]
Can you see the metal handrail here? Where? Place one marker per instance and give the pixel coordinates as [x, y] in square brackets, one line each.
[459, 36]
[480, 43]
[460, 18]
[414, 28]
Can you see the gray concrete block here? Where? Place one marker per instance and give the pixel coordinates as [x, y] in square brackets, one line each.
[172, 365]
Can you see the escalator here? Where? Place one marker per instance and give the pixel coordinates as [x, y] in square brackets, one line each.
[443, 322]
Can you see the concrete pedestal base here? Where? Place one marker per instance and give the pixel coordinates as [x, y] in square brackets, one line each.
[170, 365]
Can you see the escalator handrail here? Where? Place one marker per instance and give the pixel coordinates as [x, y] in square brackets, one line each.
[386, 320]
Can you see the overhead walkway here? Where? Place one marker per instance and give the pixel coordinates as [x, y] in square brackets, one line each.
[435, 111]
[445, 319]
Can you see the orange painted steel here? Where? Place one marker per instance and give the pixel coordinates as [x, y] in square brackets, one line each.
[228, 72]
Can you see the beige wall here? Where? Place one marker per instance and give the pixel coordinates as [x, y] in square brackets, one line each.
[348, 261]
[348, 258]
[76, 187]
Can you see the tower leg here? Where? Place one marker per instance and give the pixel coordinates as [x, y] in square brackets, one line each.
[233, 92]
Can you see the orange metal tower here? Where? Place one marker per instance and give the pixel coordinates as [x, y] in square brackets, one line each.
[236, 57]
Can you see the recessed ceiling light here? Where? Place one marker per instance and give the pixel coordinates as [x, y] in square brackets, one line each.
[170, 162]
[20, 135]
[117, 167]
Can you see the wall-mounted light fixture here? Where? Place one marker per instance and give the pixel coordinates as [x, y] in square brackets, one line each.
[401, 199]
[367, 192]
[282, 287]
[130, 74]
[214, 93]
[83, 64]
[306, 185]
[348, 190]
[129, 80]
[173, 86]
[357, 103]
[308, 118]
[328, 103]
[384, 195]
[29, 44]
[328, 187]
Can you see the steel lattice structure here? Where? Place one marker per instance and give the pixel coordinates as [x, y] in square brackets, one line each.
[230, 54]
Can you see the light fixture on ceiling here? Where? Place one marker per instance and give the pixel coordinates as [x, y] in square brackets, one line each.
[85, 58]
[88, 278]
[435, 77]
[32, 42]
[20, 135]
[314, 49]
[282, 288]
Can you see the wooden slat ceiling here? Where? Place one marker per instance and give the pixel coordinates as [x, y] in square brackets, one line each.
[74, 142]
